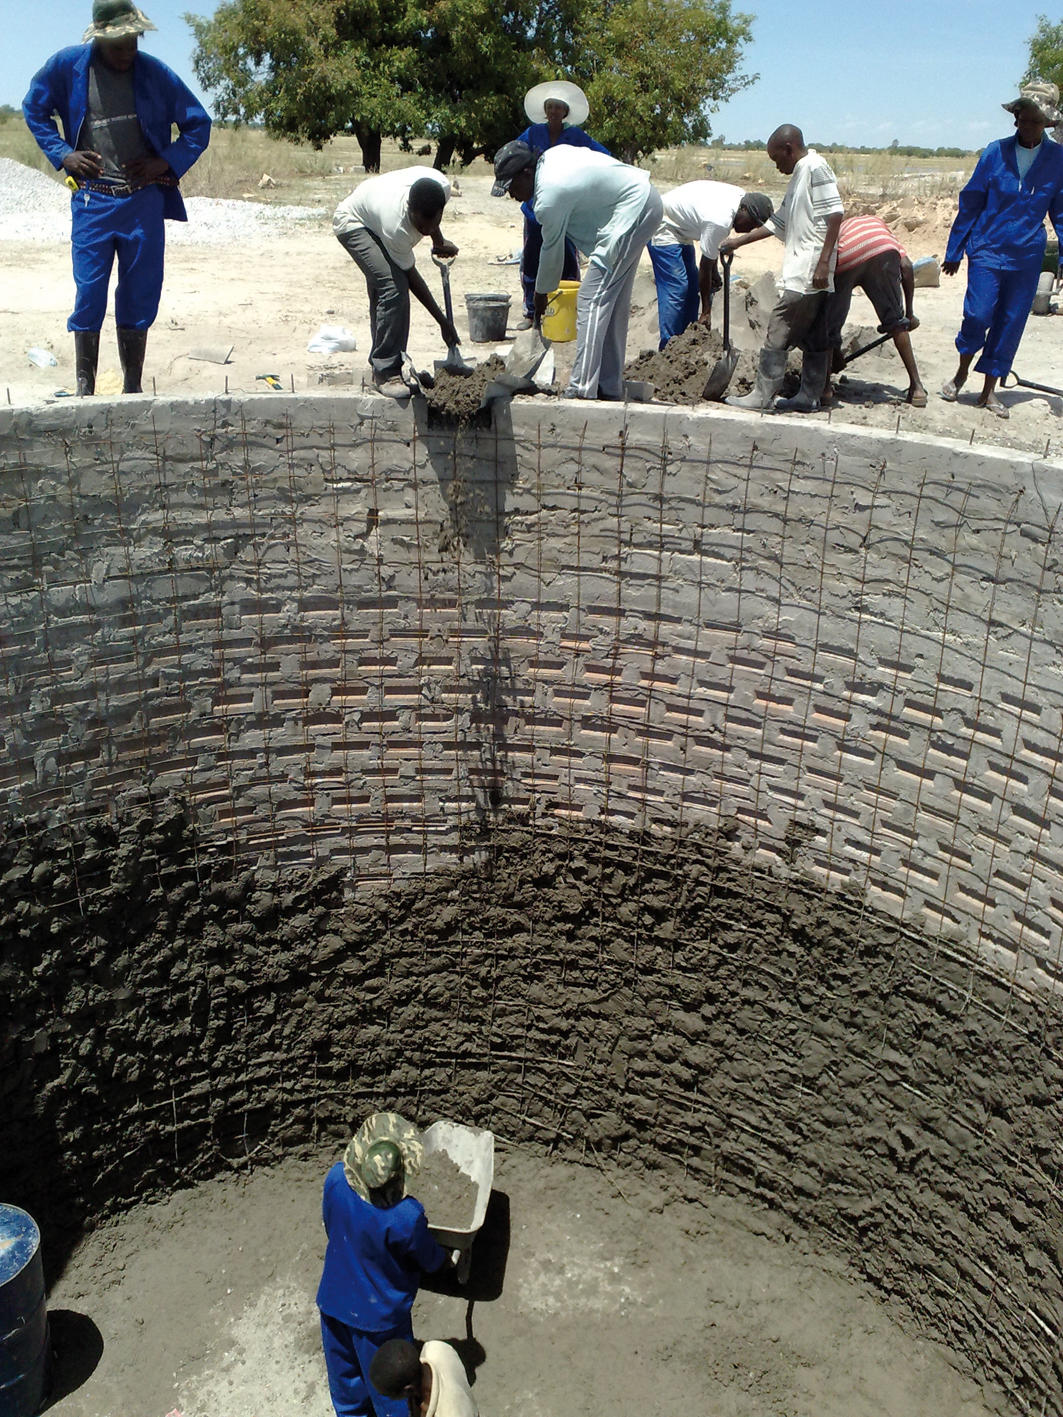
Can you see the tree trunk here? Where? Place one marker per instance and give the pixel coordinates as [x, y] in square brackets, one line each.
[444, 153]
[369, 142]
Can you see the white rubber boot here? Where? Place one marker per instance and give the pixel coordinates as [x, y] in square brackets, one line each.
[813, 376]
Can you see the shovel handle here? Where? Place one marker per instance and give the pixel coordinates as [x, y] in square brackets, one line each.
[726, 257]
[444, 273]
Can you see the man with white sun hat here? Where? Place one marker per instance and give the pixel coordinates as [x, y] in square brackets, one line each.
[556, 111]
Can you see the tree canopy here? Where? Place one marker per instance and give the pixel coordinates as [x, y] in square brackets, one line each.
[457, 70]
[1046, 52]
[652, 69]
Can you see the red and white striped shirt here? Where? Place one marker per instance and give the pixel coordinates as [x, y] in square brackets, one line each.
[862, 237]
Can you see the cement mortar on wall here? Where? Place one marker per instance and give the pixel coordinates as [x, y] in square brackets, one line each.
[358, 647]
[345, 635]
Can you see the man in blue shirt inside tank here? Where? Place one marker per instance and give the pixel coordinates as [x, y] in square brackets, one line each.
[117, 108]
[378, 1247]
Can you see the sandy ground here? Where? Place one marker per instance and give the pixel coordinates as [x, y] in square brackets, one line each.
[267, 298]
[586, 1295]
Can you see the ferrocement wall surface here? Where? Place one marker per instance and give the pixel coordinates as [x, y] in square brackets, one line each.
[692, 776]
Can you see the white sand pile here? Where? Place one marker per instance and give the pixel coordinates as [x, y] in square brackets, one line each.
[36, 207]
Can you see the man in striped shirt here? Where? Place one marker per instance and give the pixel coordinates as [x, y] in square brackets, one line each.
[871, 257]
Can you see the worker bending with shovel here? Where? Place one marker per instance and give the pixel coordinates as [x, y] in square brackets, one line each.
[378, 225]
[807, 223]
[610, 211]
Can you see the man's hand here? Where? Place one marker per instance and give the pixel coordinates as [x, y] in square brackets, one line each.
[449, 333]
[821, 275]
[146, 169]
[539, 309]
[83, 164]
[705, 318]
[444, 248]
[729, 245]
[950, 267]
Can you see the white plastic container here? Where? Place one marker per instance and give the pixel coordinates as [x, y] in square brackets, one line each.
[473, 1152]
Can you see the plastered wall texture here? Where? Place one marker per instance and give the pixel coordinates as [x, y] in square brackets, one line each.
[263, 657]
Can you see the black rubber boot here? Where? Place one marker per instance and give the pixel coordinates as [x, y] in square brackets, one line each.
[86, 357]
[131, 346]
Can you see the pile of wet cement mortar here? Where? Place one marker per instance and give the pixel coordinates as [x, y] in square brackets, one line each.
[719, 1028]
[678, 371]
[446, 1192]
[457, 397]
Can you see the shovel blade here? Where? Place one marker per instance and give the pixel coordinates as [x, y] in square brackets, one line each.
[720, 375]
[453, 364]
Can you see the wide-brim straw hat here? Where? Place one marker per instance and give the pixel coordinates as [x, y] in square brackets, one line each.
[116, 19]
[382, 1126]
[1043, 96]
[570, 94]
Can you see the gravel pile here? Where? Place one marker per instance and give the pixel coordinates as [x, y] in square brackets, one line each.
[36, 207]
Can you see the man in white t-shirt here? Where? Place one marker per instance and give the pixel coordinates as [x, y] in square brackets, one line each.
[700, 213]
[433, 1381]
[808, 223]
[610, 211]
[378, 225]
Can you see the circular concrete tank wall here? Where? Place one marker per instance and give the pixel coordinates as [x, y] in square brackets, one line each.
[606, 775]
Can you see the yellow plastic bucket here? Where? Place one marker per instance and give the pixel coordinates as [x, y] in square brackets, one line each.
[559, 321]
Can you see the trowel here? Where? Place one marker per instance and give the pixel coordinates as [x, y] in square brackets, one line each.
[453, 364]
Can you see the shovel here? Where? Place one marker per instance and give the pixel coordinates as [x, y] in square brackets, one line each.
[453, 364]
[720, 375]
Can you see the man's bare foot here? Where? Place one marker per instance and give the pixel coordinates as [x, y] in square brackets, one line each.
[993, 404]
[917, 397]
[951, 389]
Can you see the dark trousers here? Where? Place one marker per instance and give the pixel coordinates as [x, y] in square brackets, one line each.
[389, 299]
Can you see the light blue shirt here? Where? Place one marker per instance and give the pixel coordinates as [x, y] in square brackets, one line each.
[589, 197]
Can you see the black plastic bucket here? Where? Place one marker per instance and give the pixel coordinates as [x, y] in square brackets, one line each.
[488, 317]
[23, 1315]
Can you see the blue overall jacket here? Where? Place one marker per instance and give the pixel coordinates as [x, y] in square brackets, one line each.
[162, 100]
[1001, 217]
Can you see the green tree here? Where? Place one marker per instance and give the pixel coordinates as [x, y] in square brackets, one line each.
[653, 69]
[309, 69]
[477, 60]
[1046, 52]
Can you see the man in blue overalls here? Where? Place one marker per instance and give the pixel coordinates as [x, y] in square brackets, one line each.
[117, 108]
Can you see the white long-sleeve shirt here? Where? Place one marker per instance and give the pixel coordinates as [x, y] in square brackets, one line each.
[589, 197]
[382, 205]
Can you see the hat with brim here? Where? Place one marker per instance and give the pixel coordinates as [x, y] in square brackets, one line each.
[511, 159]
[368, 1165]
[116, 19]
[1041, 95]
[571, 95]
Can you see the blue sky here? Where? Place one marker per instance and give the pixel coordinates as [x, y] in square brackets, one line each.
[928, 73]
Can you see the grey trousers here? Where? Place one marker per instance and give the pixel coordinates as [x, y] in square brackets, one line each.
[389, 299]
[603, 310]
[799, 320]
